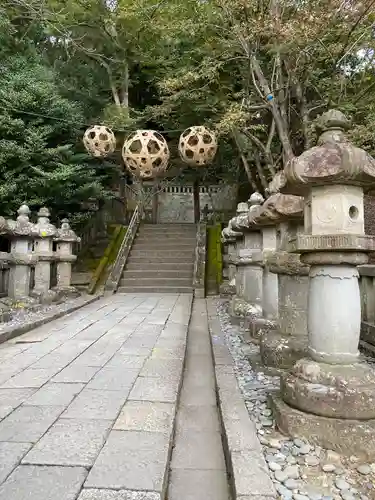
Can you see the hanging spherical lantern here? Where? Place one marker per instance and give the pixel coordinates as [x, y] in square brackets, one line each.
[197, 146]
[99, 141]
[146, 154]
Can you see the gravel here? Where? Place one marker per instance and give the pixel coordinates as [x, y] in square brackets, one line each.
[21, 316]
[299, 470]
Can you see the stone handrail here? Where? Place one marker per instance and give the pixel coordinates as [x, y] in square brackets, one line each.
[122, 256]
[199, 277]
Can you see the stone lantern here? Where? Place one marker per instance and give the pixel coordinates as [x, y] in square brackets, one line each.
[22, 231]
[229, 237]
[65, 239]
[43, 249]
[248, 299]
[330, 397]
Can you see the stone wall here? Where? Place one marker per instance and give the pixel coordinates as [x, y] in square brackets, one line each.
[176, 202]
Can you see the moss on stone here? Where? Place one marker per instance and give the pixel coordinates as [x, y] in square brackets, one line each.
[108, 258]
[214, 258]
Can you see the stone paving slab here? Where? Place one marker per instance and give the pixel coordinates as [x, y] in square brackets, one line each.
[155, 389]
[95, 404]
[95, 494]
[27, 424]
[114, 379]
[198, 485]
[55, 394]
[132, 460]
[198, 418]
[70, 442]
[146, 416]
[64, 388]
[10, 399]
[43, 483]
[73, 374]
[10, 456]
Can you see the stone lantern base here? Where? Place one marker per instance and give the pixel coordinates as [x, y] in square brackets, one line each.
[349, 437]
[282, 351]
[332, 405]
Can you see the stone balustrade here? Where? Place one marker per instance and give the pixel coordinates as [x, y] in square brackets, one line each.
[298, 268]
[36, 258]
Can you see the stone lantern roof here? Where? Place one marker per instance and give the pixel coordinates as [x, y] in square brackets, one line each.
[334, 160]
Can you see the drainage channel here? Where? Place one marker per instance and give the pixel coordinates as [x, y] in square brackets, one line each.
[198, 470]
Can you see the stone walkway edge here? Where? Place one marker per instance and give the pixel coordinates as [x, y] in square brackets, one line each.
[247, 468]
[13, 331]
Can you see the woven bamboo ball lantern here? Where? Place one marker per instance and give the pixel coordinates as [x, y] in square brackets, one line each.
[197, 146]
[146, 154]
[99, 141]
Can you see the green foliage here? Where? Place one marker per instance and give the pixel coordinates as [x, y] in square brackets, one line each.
[41, 162]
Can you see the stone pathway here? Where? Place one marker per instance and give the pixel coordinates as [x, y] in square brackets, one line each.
[87, 403]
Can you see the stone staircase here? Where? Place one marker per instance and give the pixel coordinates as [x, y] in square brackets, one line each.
[161, 260]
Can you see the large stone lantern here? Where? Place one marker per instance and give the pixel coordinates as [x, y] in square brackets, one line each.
[330, 397]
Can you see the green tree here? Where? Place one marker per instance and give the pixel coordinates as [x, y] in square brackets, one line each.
[41, 162]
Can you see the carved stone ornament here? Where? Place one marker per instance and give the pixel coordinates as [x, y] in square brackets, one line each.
[22, 226]
[44, 227]
[99, 141]
[277, 208]
[146, 154]
[333, 161]
[66, 234]
[197, 146]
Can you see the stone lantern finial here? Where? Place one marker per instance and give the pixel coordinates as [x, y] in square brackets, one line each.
[256, 199]
[65, 226]
[44, 213]
[23, 213]
[331, 120]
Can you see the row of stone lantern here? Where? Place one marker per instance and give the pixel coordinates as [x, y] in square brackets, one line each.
[32, 246]
[296, 284]
[146, 153]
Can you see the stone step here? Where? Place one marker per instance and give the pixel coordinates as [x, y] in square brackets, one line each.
[148, 281]
[155, 232]
[155, 289]
[171, 225]
[181, 238]
[187, 255]
[157, 273]
[135, 264]
[161, 245]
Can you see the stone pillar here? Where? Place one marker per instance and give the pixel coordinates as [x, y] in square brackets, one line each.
[270, 282]
[228, 287]
[43, 249]
[329, 397]
[22, 258]
[65, 239]
[247, 302]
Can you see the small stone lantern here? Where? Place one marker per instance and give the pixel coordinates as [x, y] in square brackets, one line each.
[43, 249]
[330, 397]
[65, 239]
[22, 258]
